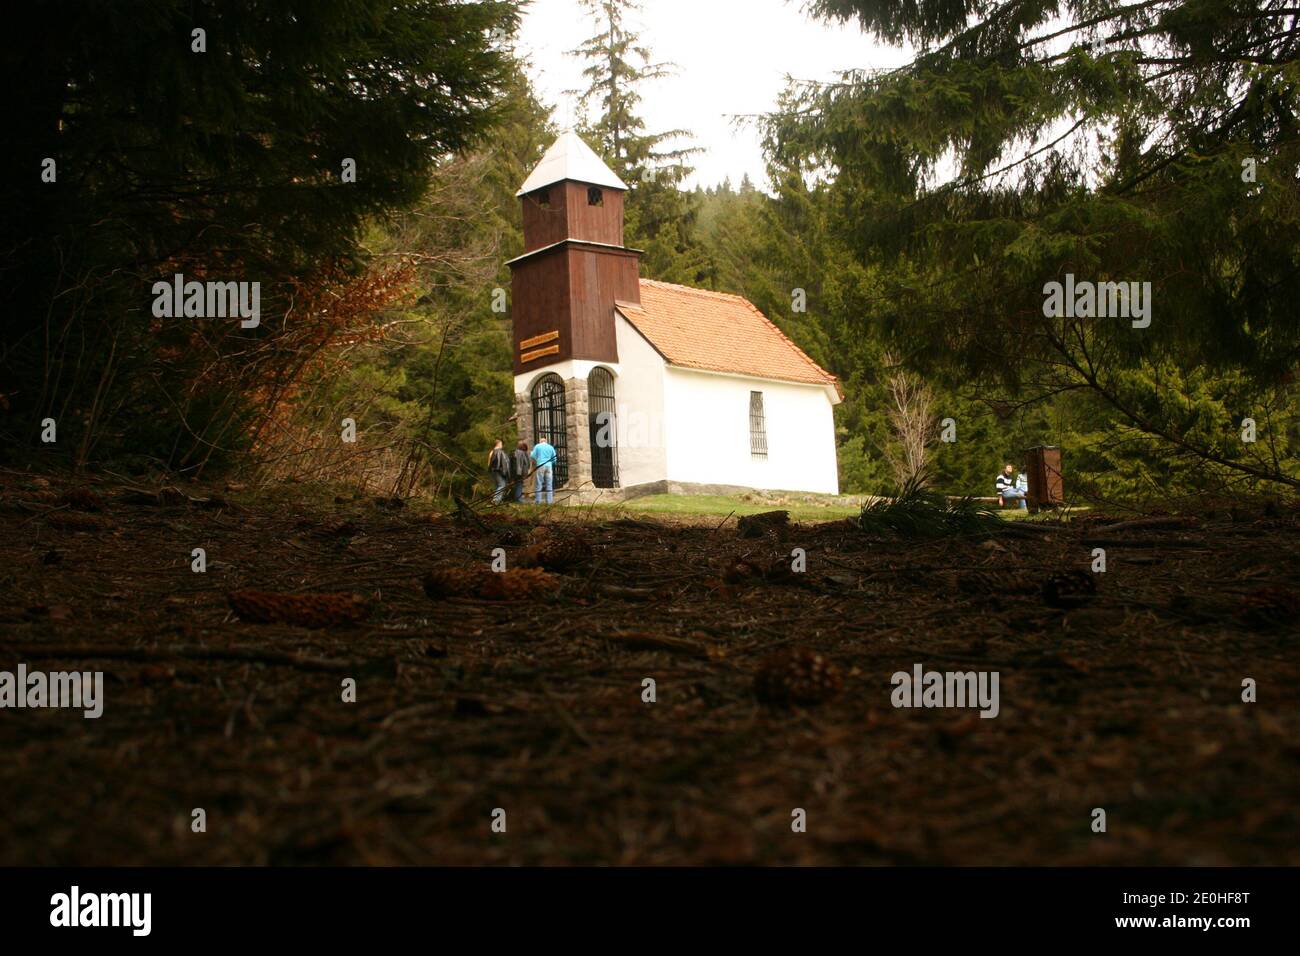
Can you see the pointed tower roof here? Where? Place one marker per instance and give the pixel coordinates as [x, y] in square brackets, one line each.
[570, 158]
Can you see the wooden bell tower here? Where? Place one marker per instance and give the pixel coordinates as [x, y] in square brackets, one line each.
[574, 265]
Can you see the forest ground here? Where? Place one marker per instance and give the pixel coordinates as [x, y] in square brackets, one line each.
[1130, 702]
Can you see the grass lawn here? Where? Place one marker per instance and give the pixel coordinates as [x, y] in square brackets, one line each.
[723, 505]
[682, 506]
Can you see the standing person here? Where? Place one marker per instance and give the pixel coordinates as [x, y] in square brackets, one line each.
[544, 460]
[499, 468]
[522, 464]
[1007, 489]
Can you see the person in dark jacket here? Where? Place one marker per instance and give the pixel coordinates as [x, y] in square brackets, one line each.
[1008, 490]
[521, 465]
[499, 469]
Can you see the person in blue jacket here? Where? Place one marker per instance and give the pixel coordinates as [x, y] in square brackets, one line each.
[544, 476]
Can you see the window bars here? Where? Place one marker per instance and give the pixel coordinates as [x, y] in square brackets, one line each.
[757, 426]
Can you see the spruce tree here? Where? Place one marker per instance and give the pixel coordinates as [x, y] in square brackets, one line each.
[1151, 141]
[660, 216]
[211, 139]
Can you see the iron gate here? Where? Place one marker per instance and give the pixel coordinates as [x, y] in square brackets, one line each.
[604, 428]
[548, 423]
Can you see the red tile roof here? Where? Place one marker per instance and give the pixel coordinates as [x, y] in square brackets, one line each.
[717, 332]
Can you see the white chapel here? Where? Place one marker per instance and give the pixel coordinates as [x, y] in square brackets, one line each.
[646, 387]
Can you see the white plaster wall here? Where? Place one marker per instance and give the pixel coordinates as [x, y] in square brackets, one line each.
[639, 394]
[707, 431]
[570, 368]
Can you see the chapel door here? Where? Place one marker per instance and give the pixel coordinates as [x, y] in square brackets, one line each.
[603, 427]
[548, 423]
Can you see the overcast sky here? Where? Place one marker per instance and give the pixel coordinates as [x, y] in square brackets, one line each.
[732, 58]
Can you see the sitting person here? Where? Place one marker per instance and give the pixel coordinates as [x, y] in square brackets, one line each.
[1009, 489]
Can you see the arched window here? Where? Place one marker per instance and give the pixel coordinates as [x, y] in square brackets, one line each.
[604, 430]
[595, 197]
[548, 422]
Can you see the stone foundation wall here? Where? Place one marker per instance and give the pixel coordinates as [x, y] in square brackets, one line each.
[591, 495]
[579, 434]
[524, 418]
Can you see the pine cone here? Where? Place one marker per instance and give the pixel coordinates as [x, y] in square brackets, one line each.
[510, 537]
[755, 526]
[78, 521]
[339, 528]
[739, 571]
[1069, 589]
[775, 570]
[555, 553]
[1269, 607]
[82, 499]
[514, 585]
[449, 582]
[982, 582]
[519, 584]
[797, 676]
[169, 497]
[304, 610]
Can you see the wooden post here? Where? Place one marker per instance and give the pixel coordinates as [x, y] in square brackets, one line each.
[1046, 486]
